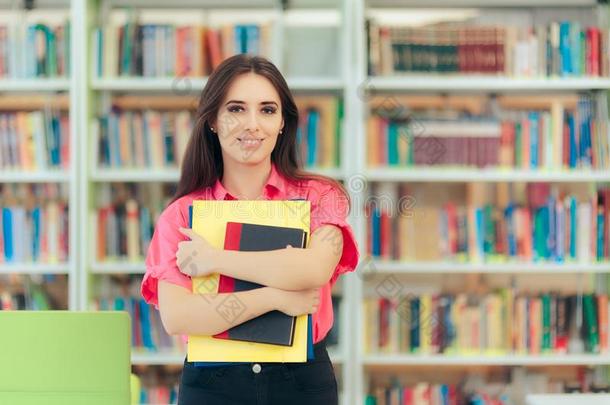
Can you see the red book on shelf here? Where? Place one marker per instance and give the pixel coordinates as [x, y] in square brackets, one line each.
[386, 235]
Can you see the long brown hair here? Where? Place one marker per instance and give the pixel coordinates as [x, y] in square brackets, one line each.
[202, 162]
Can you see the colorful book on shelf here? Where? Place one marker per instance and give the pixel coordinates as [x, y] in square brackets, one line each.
[273, 327]
[209, 220]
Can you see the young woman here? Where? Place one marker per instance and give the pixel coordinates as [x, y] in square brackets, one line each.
[243, 146]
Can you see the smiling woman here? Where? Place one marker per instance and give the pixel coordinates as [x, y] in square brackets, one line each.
[243, 146]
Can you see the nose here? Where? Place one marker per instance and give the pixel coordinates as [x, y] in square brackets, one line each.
[251, 124]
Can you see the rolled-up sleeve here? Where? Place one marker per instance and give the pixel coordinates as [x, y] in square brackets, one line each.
[161, 255]
[330, 207]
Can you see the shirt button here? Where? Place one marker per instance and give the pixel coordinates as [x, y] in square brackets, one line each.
[256, 368]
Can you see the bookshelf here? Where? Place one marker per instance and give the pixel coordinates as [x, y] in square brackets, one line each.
[373, 272]
[90, 94]
[47, 89]
[181, 93]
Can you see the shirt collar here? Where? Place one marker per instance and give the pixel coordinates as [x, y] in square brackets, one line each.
[274, 188]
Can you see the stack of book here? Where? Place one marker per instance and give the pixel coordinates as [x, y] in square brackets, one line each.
[34, 224]
[493, 324]
[250, 226]
[559, 133]
[136, 48]
[34, 141]
[125, 219]
[549, 224]
[34, 50]
[560, 48]
[142, 139]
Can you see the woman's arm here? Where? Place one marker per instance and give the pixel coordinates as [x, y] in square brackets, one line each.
[185, 313]
[287, 269]
[291, 268]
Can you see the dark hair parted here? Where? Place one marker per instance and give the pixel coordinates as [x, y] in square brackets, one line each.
[202, 161]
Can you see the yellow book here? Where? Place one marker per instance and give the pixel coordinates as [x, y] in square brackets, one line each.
[209, 221]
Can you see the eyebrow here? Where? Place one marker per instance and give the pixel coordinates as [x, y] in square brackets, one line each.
[243, 102]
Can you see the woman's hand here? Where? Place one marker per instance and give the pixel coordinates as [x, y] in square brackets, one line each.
[295, 303]
[196, 257]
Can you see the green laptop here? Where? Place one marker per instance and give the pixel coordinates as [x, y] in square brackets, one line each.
[63, 357]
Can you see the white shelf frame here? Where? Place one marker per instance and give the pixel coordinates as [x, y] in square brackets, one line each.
[35, 268]
[193, 85]
[381, 360]
[50, 176]
[547, 268]
[34, 85]
[84, 91]
[435, 174]
[459, 83]
[100, 90]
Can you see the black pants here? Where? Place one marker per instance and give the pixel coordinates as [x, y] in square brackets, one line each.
[307, 383]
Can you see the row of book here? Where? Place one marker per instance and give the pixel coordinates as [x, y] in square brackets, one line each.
[430, 394]
[147, 332]
[551, 226]
[125, 218]
[36, 140]
[34, 50]
[34, 224]
[320, 130]
[498, 323]
[32, 292]
[475, 389]
[557, 138]
[158, 139]
[142, 138]
[559, 48]
[163, 50]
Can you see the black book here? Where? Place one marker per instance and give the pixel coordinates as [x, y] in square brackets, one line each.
[274, 327]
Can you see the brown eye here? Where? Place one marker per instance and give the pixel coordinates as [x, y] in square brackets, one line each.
[234, 108]
[269, 110]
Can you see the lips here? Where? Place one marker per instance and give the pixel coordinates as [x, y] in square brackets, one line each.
[250, 141]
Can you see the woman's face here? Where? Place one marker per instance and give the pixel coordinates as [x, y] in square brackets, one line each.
[249, 119]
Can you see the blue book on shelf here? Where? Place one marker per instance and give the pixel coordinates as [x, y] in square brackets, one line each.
[239, 39]
[534, 119]
[573, 208]
[36, 233]
[573, 155]
[414, 327]
[511, 231]
[480, 230]
[561, 234]
[313, 126]
[7, 233]
[551, 223]
[600, 235]
[565, 48]
[393, 144]
[376, 232]
[147, 340]
[252, 39]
